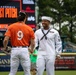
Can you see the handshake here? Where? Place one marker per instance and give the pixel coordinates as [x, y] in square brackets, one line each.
[30, 50]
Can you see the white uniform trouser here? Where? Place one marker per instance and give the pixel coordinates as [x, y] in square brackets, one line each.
[45, 61]
[19, 55]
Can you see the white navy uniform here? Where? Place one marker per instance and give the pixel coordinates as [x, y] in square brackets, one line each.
[48, 49]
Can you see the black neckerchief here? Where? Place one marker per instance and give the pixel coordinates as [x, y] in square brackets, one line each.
[45, 34]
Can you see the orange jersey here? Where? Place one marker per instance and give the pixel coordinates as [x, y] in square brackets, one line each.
[20, 34]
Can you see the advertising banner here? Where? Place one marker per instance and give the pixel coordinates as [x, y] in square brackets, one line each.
[8, 11]
[5, 63]
[67, 62]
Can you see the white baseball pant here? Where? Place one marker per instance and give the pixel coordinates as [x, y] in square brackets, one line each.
[20, 55]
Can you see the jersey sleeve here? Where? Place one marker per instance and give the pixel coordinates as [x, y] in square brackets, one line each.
[8, 32]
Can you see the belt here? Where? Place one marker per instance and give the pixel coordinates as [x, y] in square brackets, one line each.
[20, 46]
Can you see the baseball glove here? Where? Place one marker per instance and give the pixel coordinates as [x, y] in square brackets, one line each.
[7, 51]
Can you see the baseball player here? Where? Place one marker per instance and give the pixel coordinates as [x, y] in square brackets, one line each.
[20, 35]
[50, 47]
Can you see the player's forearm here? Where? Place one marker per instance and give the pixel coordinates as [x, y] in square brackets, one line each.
[5, 41]
[32, 46]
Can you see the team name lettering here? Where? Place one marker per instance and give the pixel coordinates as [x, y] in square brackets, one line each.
[8, 12]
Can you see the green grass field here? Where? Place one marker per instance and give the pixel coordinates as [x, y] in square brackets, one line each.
[56, 73]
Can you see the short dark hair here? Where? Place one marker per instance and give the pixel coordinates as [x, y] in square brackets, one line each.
[22, 16]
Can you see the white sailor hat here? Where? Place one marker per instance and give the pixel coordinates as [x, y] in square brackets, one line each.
[46, 18]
